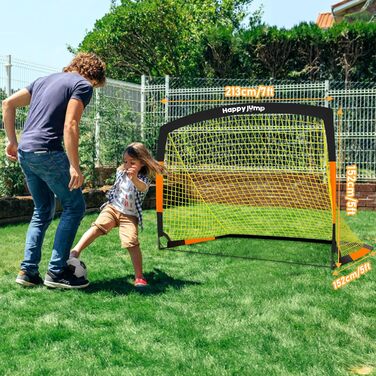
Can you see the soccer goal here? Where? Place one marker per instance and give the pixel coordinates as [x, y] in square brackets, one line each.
[264, 170]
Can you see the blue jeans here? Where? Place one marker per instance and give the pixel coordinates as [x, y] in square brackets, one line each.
[47, 175]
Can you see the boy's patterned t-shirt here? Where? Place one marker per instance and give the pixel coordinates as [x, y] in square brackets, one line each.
[139, 196]
[124, 197]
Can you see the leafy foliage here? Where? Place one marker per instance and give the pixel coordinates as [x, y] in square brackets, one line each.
[210, 39]
[158, 37]
[343, 52]
[12, 181]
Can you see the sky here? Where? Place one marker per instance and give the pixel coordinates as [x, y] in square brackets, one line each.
[39, 31]
[287, 13]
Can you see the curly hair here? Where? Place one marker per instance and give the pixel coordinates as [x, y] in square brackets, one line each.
[90, 66]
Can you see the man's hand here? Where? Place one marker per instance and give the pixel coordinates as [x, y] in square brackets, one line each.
[11, 151]
[77, 178]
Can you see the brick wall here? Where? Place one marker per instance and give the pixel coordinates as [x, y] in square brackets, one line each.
[20, 209]
[365, 193]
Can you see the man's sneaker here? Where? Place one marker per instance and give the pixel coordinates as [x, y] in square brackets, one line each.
[65, 280]
[28, 280]
[140, 282]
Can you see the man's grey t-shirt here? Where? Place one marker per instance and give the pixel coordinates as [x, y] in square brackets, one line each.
[44, 126]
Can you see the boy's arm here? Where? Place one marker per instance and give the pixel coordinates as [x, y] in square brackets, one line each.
[19, 99]
[139, 184]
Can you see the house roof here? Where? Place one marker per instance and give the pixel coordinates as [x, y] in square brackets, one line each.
[346, 4]
[341, 3]
[325, 20]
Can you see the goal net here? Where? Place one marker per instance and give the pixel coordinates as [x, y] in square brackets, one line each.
[265, 170]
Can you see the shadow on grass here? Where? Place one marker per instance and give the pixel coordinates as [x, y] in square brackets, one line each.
[158, 280]
[222, 255]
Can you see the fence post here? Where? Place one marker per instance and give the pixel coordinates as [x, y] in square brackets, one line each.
[97, 119]
[167, 96]
[8, 69]
[142, 107]
[327, 88]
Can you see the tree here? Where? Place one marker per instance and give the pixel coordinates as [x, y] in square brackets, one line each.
[218, 39]
[269, 51]
[308, 49]
[223, 53]
[159, 37]
[349, 51]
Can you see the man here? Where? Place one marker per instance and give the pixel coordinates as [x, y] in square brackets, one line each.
[56, 106]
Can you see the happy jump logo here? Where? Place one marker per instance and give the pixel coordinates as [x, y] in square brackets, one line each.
[243, 109]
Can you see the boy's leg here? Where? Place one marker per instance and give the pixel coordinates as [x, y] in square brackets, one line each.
[128, 232]
[105, 222]
[136, 257]
[86, 239]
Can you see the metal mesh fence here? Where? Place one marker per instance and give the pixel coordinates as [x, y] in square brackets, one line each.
[123, 112]
[109, 123]
[16, 74]
[2, 77]
[117, 120]
[169, 98]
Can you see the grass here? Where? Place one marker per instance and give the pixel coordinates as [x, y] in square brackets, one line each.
[190, 221]
[202, 315]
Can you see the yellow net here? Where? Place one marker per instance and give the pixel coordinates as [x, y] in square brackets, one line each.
[261, 175]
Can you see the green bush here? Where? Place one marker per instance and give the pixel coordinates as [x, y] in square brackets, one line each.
[12, 182]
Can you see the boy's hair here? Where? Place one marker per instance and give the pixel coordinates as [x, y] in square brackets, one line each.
[90, 66]
[137, 150]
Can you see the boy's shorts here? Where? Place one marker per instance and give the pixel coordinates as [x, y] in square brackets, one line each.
[109, 218]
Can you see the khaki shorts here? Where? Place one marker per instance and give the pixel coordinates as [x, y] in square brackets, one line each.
[109, 218]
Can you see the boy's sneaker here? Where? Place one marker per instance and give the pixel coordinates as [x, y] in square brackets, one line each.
[140, 282]
[28, 280]
[65, 280]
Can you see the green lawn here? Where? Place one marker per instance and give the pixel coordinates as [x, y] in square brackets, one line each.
[192, 221]
[202, 315]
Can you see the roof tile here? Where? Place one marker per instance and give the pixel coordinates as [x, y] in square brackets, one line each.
[325, 20]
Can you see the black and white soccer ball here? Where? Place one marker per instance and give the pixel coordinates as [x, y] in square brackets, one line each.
[78, 267]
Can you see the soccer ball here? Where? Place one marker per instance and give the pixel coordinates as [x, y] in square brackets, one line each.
[78, 267]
